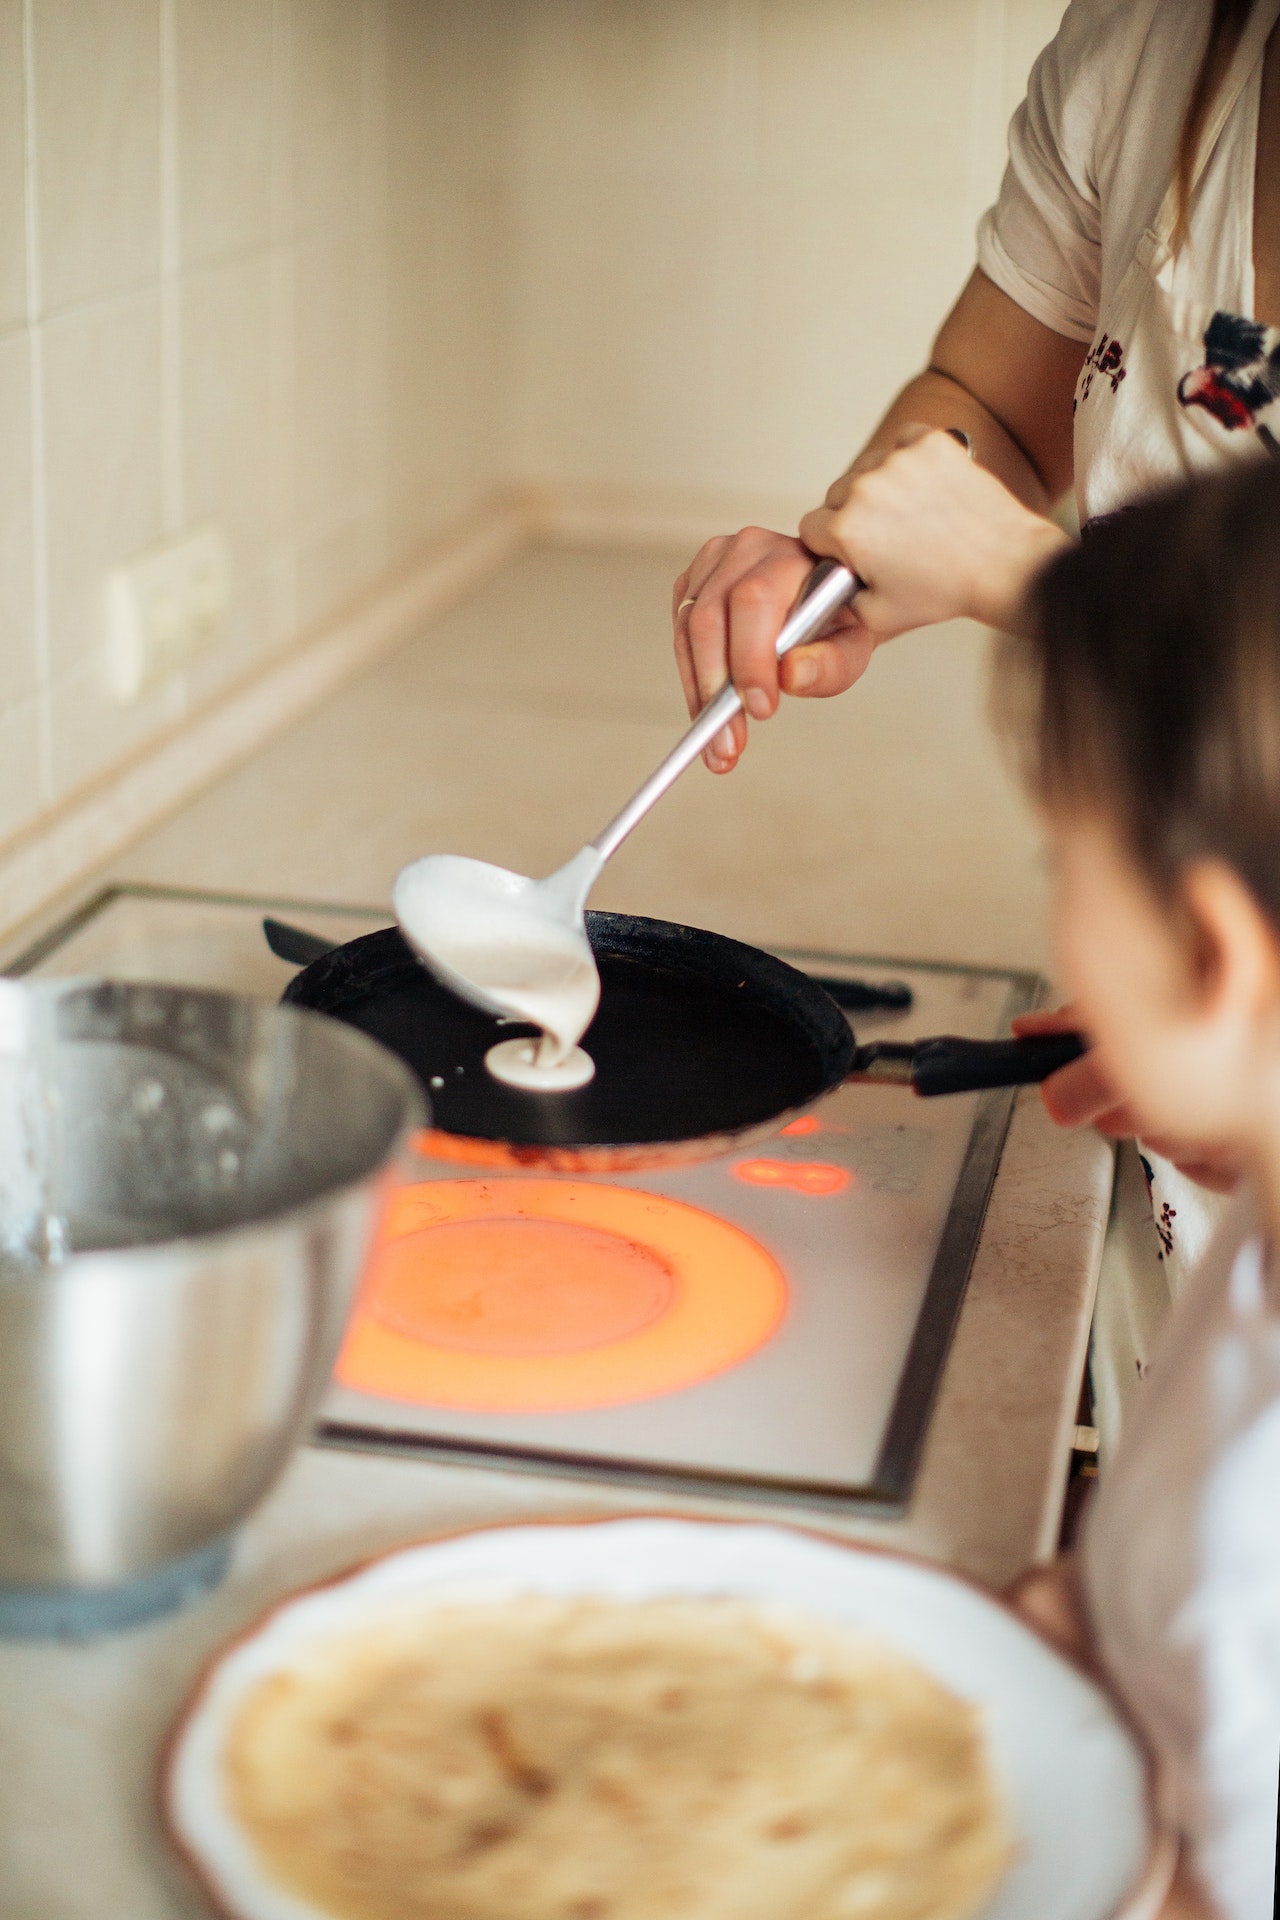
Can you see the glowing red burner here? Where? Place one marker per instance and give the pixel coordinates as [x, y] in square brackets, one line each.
[509, 1295]
[514, 1285]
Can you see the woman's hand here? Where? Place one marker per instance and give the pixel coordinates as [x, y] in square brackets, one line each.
[931, 534]
[934, 536]
[727, 611]
[1080, 1095]
[1049, 1599]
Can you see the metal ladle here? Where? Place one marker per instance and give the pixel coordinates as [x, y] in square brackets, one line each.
[540, 923]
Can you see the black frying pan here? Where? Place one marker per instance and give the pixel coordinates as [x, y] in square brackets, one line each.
[699, 1042]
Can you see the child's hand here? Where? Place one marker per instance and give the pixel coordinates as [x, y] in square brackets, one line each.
[1080, 1095]
[1049, 1599]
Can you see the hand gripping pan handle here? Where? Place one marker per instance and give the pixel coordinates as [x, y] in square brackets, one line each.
[949, 1064]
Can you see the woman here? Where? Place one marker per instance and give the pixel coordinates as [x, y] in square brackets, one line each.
[1116, 335]
[1146, 703]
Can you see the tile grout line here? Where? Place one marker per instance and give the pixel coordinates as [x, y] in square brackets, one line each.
[170, 272]
[35, 364]
[373, 172]
[283, 298]
[739, 159]
[177, 691]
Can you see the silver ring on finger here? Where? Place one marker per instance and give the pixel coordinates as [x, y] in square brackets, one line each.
[690, 600]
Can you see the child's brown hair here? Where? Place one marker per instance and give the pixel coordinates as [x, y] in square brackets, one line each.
[1149, 689]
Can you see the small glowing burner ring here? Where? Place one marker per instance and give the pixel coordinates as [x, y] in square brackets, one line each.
[548, 1296]
[812, 1177]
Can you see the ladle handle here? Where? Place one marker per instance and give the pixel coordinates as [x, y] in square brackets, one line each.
[829, 587]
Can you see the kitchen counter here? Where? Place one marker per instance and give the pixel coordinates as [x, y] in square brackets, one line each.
[510, 730]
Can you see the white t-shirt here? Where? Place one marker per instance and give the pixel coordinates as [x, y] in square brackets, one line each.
[1092, 150]
[1181, 1559]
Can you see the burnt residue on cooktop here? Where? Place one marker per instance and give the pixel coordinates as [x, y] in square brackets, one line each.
[694, 1035]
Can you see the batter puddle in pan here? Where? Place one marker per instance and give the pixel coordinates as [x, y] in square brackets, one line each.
[554, 1296]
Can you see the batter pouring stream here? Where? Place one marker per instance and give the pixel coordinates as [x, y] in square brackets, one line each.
[516, 947]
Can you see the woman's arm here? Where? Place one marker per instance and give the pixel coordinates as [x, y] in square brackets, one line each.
[1007, 381]
[933, 534]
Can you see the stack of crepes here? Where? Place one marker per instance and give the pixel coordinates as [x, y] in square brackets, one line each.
[578, 1759]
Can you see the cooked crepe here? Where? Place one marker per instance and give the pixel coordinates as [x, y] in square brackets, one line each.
[551, 1759]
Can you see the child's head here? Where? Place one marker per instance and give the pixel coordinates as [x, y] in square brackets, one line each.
[1147, 711]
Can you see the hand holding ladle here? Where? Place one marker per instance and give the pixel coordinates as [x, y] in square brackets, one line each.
[518, 947]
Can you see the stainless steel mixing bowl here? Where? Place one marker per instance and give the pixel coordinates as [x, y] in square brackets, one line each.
[188, 1185]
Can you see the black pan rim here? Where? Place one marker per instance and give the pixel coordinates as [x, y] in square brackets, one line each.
[345, 975]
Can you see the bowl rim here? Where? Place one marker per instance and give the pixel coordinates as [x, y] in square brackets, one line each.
[398, 1152]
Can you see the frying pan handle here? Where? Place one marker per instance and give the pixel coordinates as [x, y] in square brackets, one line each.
[950, 1065]
[828, 587]
[294, 944]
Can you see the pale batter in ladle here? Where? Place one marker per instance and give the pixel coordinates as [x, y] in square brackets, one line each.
[518, 947]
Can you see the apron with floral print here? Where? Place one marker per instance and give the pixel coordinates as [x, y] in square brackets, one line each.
[1171, 386]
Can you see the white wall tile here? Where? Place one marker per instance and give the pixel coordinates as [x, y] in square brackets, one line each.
[640, 88]
[453, 99]
[375, 117]
[860, 94]
[261, 619]
[19, 658]
[336, 568]
[225, 99]
[617, 333]
[237, 448]
[738, 224]
[815, 355]
[13, 130]
[329, 472]
[97, 69]
[373, 391]
[89, 732]
[327, 76]
[449, 272]
[21, 796]
[103, 458]
[232, 461]
[429, 244]
[446, 366]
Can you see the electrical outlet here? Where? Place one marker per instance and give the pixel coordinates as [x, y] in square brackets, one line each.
[168, 604]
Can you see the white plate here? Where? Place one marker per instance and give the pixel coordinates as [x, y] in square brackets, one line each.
[1074, 1780]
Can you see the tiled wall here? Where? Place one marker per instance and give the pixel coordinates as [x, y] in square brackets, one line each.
[739, 222]
[328, 271]
[248, 271]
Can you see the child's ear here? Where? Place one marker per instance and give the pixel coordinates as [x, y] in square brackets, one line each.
[1234, 949]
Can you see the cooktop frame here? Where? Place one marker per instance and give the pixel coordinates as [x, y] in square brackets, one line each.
[888, 1489]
